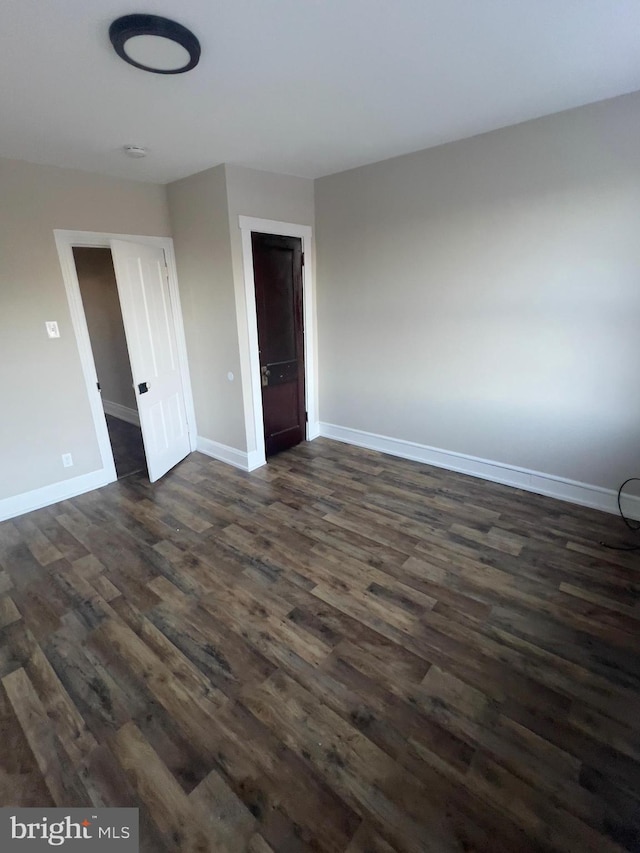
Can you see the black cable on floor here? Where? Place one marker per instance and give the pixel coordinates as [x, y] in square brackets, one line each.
[631, 525]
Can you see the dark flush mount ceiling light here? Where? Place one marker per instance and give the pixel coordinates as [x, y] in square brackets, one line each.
[155, 44]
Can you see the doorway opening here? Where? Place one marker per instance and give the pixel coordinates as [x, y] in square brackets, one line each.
[277, 273]
[149, 300]
[99, 294]
[248, 331]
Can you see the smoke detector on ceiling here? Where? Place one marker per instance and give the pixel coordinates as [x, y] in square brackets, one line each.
[135, 151]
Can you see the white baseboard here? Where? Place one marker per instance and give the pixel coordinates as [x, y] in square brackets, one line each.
[572, 491]
[313, 431]
[131, 416]
[237, 458]
[255, 459]
[47, 495]
[497, 472]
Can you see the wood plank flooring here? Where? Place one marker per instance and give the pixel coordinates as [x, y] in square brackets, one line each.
[127, 447]
[340, 652]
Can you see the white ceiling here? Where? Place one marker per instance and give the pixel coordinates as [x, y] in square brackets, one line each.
[304, 87]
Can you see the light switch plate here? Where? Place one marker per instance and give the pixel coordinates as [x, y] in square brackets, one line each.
[52, 329]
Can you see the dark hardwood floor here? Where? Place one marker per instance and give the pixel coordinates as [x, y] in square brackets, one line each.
[339, 652]
[127, 447]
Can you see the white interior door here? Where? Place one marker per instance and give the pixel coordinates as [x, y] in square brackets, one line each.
[149, 325]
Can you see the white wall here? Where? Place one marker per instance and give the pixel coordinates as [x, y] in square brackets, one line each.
[45, 410]
[484, 297]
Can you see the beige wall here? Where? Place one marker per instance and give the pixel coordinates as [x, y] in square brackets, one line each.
[200, 224]
[265, 195]
[204, 216]
[103, 314]
[484, 296]
[42, 390]
[262, 195]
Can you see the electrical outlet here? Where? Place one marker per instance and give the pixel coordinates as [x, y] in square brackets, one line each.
[52, 329]
[67, 460]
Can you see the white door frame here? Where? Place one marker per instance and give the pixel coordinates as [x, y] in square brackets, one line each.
[255, 420]
[65, 243]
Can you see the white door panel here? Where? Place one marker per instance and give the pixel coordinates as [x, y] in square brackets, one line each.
[151, 339]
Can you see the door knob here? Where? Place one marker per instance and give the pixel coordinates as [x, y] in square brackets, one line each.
[143, 387]
[265, 374]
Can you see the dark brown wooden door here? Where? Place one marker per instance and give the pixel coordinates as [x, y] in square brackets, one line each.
[277, 270]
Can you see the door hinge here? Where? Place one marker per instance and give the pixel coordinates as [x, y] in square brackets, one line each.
[98, 386]
[302, 264]
[306, 417]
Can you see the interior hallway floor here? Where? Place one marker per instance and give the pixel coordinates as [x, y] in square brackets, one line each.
[341, 651]
[127, 446]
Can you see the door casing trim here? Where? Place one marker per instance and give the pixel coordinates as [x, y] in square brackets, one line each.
[65, 243]
[254, 421]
